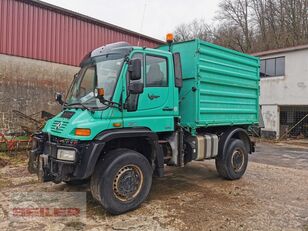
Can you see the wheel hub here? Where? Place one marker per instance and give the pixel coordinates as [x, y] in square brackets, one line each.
[127, 182]
[237, 160]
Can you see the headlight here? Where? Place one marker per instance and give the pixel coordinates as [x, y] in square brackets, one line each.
[66, 154]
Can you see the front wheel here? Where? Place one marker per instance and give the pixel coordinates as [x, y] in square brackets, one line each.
[122, 180]
[233, 165]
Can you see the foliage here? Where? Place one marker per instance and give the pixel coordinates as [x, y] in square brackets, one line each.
[194, 29]
[253, 25]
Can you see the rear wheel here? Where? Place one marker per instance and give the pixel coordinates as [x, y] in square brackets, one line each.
[122, 180]
[233, 165]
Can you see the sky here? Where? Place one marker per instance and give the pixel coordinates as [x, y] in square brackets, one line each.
[154, 18]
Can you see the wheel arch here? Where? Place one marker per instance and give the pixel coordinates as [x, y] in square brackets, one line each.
[128, 138]
[237, 133]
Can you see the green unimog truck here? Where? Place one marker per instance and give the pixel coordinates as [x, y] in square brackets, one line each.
[130, 111]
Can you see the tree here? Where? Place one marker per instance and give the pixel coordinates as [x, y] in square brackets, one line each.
[253, 25]
[236, 13]
[230, 36]
[195, 29]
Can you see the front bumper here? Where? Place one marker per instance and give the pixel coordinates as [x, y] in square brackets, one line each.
[43, 159]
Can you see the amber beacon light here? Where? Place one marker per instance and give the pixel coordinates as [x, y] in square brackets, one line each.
[169, 38]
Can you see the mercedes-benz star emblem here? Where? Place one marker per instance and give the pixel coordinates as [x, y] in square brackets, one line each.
[58, 125]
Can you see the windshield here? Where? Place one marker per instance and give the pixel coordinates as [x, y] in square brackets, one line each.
[101, 72]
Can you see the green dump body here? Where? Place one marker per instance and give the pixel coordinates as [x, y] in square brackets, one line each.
[220, 85]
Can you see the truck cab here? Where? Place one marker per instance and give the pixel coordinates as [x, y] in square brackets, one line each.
[123, 120]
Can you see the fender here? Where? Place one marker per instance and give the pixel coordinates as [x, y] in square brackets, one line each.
[230, 133]
[111, 134]
[102, 138]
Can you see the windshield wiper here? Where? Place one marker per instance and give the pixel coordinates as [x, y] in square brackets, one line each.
[77, 104]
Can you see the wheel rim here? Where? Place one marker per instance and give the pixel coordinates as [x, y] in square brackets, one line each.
[237, 160]
[127, 182]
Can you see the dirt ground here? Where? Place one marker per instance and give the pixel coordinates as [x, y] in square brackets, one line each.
[272, 195]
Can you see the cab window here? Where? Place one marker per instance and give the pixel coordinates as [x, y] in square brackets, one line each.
[156, 71]
[87, 84]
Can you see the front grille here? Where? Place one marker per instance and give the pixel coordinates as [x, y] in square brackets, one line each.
[50, 149]
[61, 141]
[67, 114]
[58, 126]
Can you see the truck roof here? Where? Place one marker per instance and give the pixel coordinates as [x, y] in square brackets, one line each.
[118, 47]
[152, 49]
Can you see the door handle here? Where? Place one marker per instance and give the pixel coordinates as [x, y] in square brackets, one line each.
[151, 97]
[168, 109]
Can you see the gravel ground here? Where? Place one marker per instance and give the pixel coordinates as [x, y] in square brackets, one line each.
[272, 195]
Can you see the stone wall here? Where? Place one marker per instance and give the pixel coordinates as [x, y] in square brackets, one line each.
[29, 86]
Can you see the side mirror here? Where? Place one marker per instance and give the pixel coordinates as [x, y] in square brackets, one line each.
[178, 79]
[134, 69]
[135, 88]
[59, 98]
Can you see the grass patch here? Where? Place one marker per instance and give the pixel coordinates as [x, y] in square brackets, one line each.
[4, 159]
[18, 159]
[3, 146]
[19, 143]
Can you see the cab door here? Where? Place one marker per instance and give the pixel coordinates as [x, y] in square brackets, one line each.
[155, 106]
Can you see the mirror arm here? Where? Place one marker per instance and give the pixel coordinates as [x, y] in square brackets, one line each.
[61, 102]
[127, 59]
[111, 103]
[125, 102]
[59, 98]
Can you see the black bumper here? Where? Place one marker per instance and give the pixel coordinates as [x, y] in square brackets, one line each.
[43, 159]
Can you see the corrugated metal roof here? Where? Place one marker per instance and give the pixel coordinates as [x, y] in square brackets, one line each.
[282, 50]
[38, 30]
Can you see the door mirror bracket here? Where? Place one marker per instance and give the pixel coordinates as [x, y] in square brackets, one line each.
[135, 88]
[59, 98]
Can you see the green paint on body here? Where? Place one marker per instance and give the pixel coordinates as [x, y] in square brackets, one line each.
[220, 88]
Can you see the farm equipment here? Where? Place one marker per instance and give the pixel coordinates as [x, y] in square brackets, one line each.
[14, 141]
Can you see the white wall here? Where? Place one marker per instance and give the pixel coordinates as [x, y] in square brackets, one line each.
[270, 114]
[291, 89]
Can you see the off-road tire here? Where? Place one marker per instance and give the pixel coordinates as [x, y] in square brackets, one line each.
[106, 172]
[225, 164]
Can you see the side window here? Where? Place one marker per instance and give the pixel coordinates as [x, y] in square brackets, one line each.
[272, 67]
[156, 71]
[280, 66]
[262, 69]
